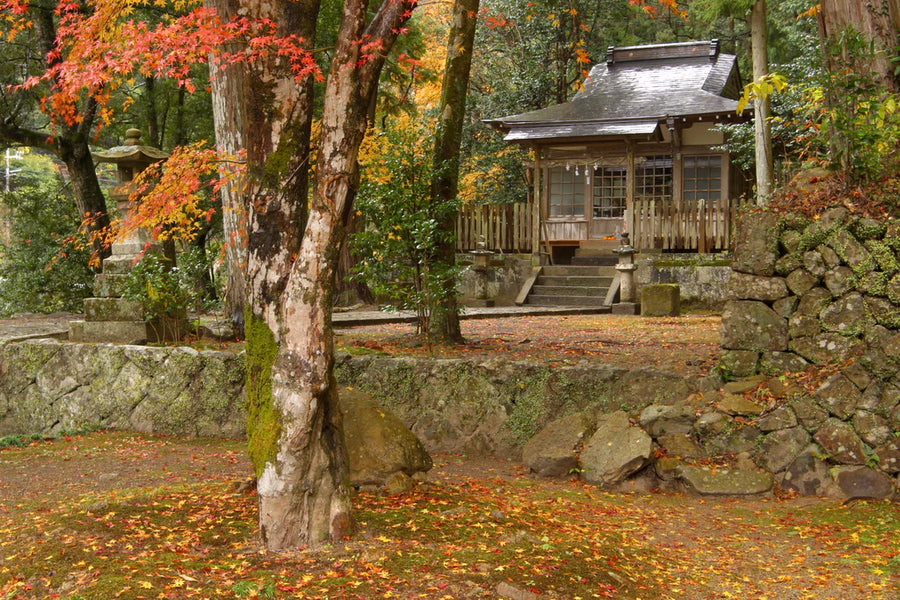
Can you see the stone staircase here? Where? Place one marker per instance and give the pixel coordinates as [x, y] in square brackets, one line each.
[572, 285]
[596, 253]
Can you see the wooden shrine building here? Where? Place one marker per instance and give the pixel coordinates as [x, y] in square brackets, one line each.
[635, 150]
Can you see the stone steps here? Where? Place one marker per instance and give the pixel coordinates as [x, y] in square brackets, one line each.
[571, 285]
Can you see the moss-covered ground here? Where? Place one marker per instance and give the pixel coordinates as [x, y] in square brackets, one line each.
[120, 515]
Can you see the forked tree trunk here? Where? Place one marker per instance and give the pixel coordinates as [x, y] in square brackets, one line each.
[304, 494]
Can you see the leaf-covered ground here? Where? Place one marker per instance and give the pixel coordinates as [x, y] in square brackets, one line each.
[686, 344]
[122, 515]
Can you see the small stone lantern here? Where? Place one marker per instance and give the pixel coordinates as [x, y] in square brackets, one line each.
[130, 158]
[107, 316]
[627, 304]
[481, 266]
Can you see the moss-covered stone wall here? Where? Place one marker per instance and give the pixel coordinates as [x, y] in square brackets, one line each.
[475, 406]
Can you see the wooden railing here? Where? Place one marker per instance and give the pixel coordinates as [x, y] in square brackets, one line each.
[701, 226]
[502, 227]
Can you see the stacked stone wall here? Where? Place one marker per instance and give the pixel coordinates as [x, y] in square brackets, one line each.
[822, 291]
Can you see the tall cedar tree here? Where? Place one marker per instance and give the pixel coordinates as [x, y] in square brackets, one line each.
[878, 20]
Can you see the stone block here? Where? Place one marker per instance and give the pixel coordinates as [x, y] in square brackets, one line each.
[112, 309]
[822, 348]
[778, 363]
[814, 263]
[660, 300]
[118, 264]
[839, 280]
[863, 482]
[725, 482]
[661, 419]
[739, 363]
[735, 405]
[551, 453]
[615, 451]
[841, 443]
[119, 332]
[754, 287]
[807, 474]
[782, 447]
[756, 244]
[751, 325]
[780, 418]
[625, 308]
[801, 281]
[109, 285]
[839, 396]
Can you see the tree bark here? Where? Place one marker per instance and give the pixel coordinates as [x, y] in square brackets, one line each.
[763, 132]
[304, 495]
[878, 20]
[228, 85]
[443, 323]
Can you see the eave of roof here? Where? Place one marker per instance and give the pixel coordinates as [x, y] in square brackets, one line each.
[533, 132]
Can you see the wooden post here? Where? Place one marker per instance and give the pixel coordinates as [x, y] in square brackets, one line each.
[536, 209]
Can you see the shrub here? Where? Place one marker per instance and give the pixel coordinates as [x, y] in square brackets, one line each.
[38, 273]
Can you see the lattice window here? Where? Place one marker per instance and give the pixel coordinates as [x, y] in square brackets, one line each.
[702, 179]
[567, 192]
[653, 178]
[609, 192]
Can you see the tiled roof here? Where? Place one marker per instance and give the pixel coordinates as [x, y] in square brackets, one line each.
[644, 83]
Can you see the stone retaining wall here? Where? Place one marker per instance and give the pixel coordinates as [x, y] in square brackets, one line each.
[470, 406]
[815, 292]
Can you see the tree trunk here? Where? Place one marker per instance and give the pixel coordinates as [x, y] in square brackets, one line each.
[73, 150]
[878, 20]
[304, 495]
[763, 132]
[228, 85]
[443, 323]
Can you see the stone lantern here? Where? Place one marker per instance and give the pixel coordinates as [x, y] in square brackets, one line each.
[481, 258]
[627, 304]
[108, 317]
[130, 158]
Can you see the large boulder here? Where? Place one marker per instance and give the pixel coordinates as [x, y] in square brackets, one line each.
[807, 474]
[616, 450]
[756, 244]
[378, 443]
[841, 443]
[661, 419]
[551, 452]
[863, 482]
[731, 482]
[751, 325]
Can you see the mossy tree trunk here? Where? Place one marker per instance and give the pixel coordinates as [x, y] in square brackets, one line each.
[303, 490]
[443, 323]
